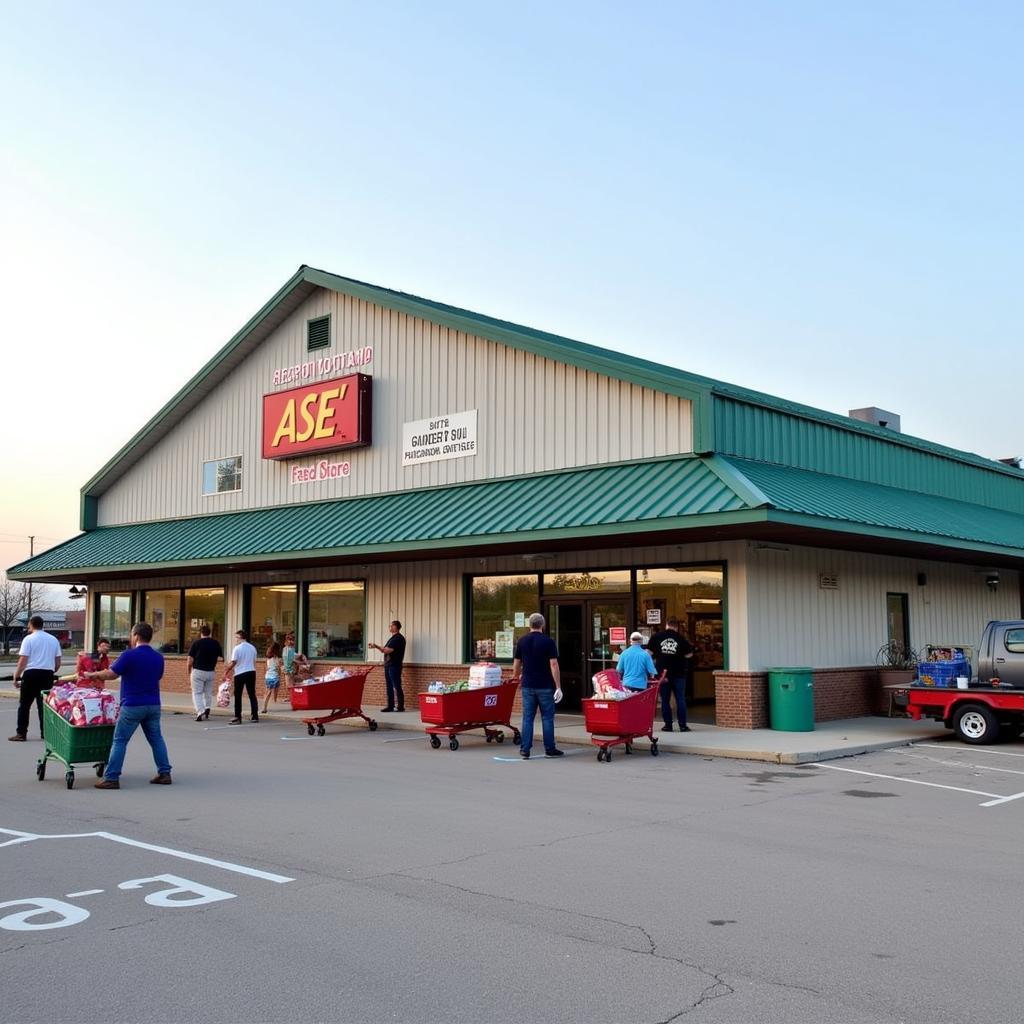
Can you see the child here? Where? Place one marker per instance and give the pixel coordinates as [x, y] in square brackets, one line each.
[296, 667]
[273, 675]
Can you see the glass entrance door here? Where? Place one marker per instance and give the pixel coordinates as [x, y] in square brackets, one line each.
[580, 629]
[565, 627]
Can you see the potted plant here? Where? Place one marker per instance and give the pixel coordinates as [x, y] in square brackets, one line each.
[897, 663]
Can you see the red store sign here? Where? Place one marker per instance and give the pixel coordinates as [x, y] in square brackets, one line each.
[321, 417]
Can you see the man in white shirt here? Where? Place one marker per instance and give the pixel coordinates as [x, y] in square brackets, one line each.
[242, 668]
[38, 663]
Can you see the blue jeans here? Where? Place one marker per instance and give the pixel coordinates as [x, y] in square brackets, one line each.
[130, 718]
[545, 700]
[393, 683]
[676, 685]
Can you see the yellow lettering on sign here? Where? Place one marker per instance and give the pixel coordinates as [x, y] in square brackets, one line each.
[307, 418]
[286, 428]
[326, 410]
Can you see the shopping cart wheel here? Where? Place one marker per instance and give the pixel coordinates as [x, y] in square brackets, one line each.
[489, 737]
[629, 748]
[373, 725]
[69, 778]
[435, 741]
[654, 748]
[600, 754]
[100, 768]
[453, 744]
[311, 729]
[320, 730]
[517, 738]
[41, 770]
[500, 737]
[608, 754]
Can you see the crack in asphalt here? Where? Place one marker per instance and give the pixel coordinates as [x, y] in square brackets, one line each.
[715, 989]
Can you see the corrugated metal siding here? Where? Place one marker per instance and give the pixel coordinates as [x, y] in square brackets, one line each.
[608, 496]
[534, 415]
[768, 435]
[427, 596]
[793, 621]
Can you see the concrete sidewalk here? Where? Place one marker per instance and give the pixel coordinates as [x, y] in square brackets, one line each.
[828, 741]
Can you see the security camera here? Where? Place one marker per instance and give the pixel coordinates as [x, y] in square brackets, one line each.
[992, 580]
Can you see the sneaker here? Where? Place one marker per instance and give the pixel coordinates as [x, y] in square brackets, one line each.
[685, 728]
[254, 718]
[160, 780]
[206, 713]
[385, 711]
[199, 718]
[399, 710]
[17, 738]
[666, 728]
[524, 754]
[235, 721]
[554, 752]
[107, 784]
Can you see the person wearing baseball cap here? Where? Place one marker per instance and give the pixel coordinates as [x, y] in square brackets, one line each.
[636, 666]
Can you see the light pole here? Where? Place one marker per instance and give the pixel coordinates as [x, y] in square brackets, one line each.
[31, 552]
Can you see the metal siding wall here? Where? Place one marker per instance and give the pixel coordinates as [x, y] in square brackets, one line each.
[533, 415]
[772, 436]
[793, 621]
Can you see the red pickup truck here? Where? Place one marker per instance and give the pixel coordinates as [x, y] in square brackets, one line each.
[993, 704]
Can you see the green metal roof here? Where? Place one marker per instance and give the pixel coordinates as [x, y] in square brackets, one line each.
[621, 501]
[871, 507]
[635, 497]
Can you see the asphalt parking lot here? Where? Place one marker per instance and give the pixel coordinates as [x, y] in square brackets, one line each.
[366, 877]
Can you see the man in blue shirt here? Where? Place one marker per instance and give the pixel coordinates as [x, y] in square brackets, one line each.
[636, 666]
[140, 670]
[535, 663]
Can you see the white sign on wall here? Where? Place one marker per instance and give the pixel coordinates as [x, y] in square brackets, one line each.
[452, 436]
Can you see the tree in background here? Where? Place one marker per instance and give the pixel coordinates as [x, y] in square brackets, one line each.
[14, 602]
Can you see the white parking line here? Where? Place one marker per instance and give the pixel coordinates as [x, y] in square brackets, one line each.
[28, 837]
[963, 764]
[970, 750]
[995, 797]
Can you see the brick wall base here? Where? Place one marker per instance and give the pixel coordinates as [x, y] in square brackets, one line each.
[741, 698]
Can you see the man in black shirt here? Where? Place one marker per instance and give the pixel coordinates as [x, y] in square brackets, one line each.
[673, 655]
[203, 656]
[394, 654]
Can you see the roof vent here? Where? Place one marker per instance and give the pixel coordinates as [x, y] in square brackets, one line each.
[318, 333]
[1013, 460]
[879, 417]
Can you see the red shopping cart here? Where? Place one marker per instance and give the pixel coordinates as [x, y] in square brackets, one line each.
[343, 697]
[448, 714]
[619, 722]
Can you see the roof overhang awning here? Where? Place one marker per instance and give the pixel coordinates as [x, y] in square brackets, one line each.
[674, 500]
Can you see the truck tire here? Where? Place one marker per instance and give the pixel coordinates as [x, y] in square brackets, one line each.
[975, 723]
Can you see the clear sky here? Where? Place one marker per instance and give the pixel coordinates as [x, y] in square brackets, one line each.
[821, 200]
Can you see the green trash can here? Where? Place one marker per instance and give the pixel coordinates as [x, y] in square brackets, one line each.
[791, 699]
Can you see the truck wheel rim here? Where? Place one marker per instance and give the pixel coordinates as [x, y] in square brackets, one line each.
[973, 724]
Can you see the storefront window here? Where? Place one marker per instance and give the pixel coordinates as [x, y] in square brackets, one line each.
[500, 610]
[695, 597]
[203, 606]
[334, 621]
[162, 610]
[271, 614]
[114, 620]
